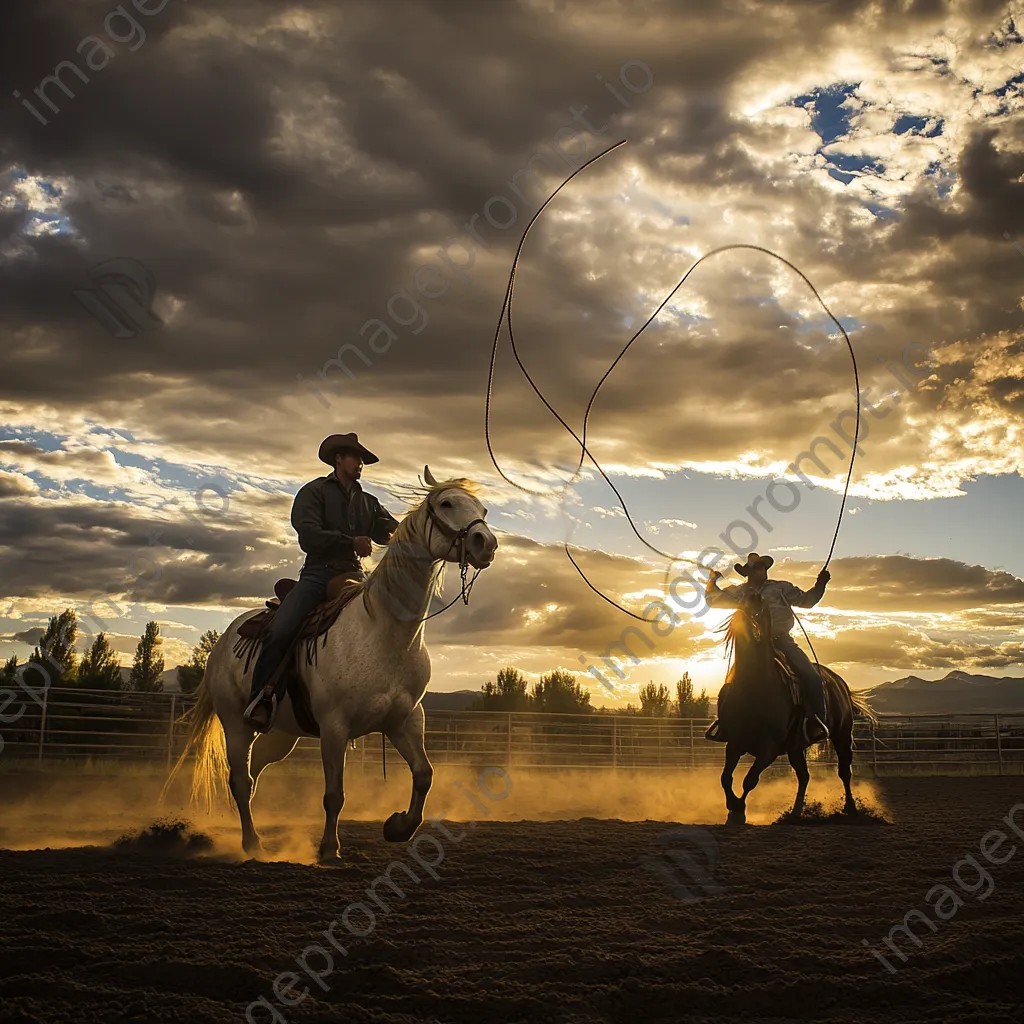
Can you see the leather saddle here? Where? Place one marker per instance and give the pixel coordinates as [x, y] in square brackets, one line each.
[288, 677]
[283, 587]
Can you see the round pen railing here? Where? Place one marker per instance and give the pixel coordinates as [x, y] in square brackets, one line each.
[74, 727]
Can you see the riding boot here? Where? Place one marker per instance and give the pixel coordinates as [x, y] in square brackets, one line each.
[260, 714]
[715, 732]
[815, 730]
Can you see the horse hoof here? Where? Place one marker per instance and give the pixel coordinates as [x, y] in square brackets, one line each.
[736, 818]
[851, 809]
[396, 828]
[255, 849]
[329, 859]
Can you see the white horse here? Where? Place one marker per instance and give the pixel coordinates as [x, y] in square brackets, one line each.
[369, 677]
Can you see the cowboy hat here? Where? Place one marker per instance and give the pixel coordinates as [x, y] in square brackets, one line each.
[336, 442]
[754, 560]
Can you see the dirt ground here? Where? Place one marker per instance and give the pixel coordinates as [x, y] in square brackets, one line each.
[591, 914]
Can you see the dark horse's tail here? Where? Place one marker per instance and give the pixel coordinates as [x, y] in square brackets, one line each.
[859, 705]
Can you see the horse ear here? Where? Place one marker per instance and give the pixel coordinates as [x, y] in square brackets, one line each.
[429, 477]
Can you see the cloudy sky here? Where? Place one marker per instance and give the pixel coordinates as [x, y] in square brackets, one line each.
[325, 198]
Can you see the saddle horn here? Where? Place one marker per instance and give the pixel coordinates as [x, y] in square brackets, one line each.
[429, 477]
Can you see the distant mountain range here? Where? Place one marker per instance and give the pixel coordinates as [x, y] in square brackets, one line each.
[956, 693]
[457, 700]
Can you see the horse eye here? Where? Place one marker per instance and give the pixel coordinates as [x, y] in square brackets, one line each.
[446, 504]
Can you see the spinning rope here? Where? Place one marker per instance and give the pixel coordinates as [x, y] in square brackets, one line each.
[585, 453]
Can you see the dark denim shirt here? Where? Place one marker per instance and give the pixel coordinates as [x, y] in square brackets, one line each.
[327, 519]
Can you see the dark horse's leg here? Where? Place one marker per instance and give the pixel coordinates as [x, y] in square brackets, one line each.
[841, 712]
[840, 727]
[738, 805]
[761, 761]
[733, 753]
[798, 759]
[842, 741]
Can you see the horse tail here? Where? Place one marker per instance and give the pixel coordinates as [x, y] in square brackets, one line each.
[206, 740]
[862, 707]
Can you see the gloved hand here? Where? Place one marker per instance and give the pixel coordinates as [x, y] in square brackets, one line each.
[824, 576]
[362, 546]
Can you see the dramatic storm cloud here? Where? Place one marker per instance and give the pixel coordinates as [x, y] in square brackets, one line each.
[328, 197]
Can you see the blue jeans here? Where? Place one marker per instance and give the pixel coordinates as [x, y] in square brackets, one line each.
[807, 675]
[310, 591]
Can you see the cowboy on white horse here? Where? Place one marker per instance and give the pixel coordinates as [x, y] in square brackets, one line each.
[780, 596]
[336, 521]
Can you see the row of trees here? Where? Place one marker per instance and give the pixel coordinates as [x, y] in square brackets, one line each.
[657, 700]
[559, 692]
[99, 668]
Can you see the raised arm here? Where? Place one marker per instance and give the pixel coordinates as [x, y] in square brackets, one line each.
[809, 598]
[719, 598]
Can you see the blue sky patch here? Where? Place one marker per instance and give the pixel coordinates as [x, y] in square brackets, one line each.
[916, 125]
[828, 116]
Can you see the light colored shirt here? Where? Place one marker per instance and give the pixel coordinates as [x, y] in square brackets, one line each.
[779, 595]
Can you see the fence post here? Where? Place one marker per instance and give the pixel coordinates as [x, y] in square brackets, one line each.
[508, 748]
[615, 741]
[42, 724]
[999, 746]
[693, 760]
[170, 732]
[874, 751]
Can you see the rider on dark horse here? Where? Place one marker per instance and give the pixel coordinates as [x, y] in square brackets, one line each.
[336, 520]
[780, 596]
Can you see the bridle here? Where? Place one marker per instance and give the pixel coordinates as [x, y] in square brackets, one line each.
[455, 537]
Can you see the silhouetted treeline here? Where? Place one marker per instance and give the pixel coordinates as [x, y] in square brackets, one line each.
[559, 692]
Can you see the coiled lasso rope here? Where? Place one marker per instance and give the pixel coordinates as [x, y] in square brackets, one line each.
[585, 453]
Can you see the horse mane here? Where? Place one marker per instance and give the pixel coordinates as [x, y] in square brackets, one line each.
[396, 555]
[418, 494]
[730, 628]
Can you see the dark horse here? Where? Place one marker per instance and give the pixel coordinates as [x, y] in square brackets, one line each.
[757, 711]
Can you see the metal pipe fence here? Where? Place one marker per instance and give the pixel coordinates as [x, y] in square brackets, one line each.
[70, 726]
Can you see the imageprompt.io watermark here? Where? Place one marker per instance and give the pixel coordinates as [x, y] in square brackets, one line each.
[122, 300]
[944, 900]
[120, 26]
[456, 255]
[688, 877]
[659, 613]
[359, 919]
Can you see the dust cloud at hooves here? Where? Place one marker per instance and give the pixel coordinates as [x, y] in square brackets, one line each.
[509, 510]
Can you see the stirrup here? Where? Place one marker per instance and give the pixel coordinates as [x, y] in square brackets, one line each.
[261, 698]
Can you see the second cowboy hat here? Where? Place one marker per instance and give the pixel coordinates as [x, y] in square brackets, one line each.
[753, 561]
[336, 442]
